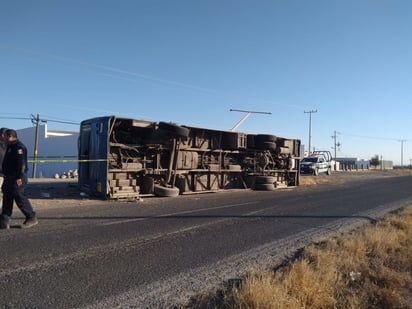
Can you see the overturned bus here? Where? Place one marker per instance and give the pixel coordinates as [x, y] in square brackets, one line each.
[123, 158]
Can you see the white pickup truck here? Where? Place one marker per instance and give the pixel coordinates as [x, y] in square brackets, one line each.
[318, 162]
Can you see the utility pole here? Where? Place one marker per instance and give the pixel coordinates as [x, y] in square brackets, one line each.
[36, 144]
[402, 141]
[336, 144]
[248, 113]
[310, 126]
[36, 121]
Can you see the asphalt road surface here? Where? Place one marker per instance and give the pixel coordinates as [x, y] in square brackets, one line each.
[161, 251]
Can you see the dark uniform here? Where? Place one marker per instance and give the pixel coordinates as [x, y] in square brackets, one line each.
[15, 167]
[3, 148]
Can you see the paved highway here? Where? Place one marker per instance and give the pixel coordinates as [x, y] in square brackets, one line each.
[162, 250]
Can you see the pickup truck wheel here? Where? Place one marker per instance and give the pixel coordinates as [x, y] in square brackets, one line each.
[316, 172]
[329, 171]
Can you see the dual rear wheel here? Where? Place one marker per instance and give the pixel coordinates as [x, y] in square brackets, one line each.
[264, 183]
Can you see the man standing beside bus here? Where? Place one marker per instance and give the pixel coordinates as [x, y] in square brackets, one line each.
[15, 180]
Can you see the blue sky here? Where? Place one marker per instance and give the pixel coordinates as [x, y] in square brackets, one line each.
[190, 62]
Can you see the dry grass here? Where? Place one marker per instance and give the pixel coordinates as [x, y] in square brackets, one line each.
[342, 177]
[369, 268]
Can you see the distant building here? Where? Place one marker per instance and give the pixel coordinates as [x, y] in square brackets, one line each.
[56, 151]
[385, 165]
[349, 163]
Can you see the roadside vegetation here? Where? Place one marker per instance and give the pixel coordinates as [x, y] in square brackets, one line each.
[368, 268]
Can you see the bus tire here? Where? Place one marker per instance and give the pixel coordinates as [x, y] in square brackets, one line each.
[265, 141]
[166, 191]
[264, 187]
[265, 180]
[174, 129]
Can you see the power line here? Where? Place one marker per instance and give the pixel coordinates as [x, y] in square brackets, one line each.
[373, 137]
[42, 120]
[66, 122]
[36, 120]
[402, 141]
[15, 118]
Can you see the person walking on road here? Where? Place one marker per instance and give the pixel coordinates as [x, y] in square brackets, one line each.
[15, 180]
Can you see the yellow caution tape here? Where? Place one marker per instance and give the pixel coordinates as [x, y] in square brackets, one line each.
[65, 161]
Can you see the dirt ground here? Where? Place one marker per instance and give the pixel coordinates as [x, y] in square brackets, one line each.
[44, 192]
